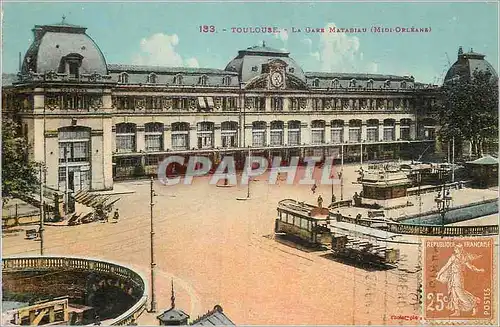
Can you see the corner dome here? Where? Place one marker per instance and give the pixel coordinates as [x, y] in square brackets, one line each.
[467, 63]
[248, 63]
[55, 45]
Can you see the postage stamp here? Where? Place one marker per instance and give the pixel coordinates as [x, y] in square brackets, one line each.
[458, 280]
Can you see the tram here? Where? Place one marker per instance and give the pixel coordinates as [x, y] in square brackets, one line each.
[303, 221]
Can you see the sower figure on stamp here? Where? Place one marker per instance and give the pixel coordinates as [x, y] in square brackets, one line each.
[452, 274]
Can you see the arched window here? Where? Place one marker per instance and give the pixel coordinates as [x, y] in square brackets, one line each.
[205, 135]
[203, 80]
[405, 129]
[369, 84]
[259, 133]
[317, 132]
[294, 132]
[315, 82]
[152, 78]
[226, 80]
[125, 137]
[277, 128]
[372, 130]
[229, 133]
[354, 130]
[74, 151]
[389, 129]
[337, 131]
[123, 78]
[153, 133]
[335, 84]
[178, 79]
[352, 83]
[180, 136]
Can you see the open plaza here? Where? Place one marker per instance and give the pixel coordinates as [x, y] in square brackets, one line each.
[222, 250]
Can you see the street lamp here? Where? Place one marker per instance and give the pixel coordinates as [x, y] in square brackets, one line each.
[443, 203]
[341, 186]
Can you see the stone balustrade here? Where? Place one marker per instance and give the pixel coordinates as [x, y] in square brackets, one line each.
[14, 264]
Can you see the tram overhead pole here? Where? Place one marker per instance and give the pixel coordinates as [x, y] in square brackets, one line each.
[42, 204]
[153, 264]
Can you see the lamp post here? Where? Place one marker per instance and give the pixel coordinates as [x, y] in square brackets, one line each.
[443, 201]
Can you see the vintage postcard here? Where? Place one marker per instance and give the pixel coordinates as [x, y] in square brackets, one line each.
[249, 162]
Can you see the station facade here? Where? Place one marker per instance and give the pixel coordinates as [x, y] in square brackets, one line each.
[109, 121]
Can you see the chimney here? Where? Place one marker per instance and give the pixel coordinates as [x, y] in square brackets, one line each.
[460, 50]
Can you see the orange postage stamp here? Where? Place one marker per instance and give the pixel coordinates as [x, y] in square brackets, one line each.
[458, 280]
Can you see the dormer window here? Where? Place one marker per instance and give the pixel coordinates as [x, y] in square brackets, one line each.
[335, 84]
[255, 69]
[352, 83]
[203, 80]
[123, 78]
[369, 84]
[387, 84]
[403, 84]
[178, 79]
[70, 64]
[315, 83]
[226, 80]
[291, 70]
[152, 78]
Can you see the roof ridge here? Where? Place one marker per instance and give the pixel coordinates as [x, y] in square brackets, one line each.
[217, 308]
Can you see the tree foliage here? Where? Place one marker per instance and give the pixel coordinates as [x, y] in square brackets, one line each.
[19, 176]
[468, 110]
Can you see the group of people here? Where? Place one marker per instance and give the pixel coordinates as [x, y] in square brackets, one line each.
[104, 217]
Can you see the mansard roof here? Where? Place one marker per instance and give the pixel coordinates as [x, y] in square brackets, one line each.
[357, 76]
[119, 68]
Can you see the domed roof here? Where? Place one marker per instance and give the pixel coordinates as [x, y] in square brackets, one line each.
[248, 63]
[53, 43]
[466, 64]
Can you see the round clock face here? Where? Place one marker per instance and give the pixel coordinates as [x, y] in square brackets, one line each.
[276, 79]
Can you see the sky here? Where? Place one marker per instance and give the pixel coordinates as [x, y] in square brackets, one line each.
[168, 33]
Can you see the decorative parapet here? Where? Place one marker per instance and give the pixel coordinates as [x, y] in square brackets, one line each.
[12, 264]
[53, 76]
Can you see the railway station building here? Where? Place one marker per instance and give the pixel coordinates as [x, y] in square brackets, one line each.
[110, 121]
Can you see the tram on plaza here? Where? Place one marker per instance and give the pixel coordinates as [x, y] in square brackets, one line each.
[303, 221]
[316, 226]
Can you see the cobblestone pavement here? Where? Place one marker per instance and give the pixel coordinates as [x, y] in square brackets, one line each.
[219, 250]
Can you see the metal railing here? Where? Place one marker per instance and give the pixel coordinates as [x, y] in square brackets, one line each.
[13, 264]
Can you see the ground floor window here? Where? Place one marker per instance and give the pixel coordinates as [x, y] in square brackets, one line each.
[372, 134]
[337, 135]
[78, 177]
[180, 140]
[229, 140]
[293, 137]
[389, 133]
[318, 136]
[405, 133]
[354, 134]
[276, 137]
[259, 138]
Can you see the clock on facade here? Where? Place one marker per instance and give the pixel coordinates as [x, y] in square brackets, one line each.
[276, 79]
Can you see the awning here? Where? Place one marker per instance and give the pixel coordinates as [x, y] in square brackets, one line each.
[210, 102]
[201, 103]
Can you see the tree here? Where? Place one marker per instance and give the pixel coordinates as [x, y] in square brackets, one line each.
[19, 175]
[468, 110]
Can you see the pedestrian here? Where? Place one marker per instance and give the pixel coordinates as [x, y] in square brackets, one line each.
[313, 188]
[320, 202]
[116, 216]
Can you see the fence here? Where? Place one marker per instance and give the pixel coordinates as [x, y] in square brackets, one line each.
[13, 264]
